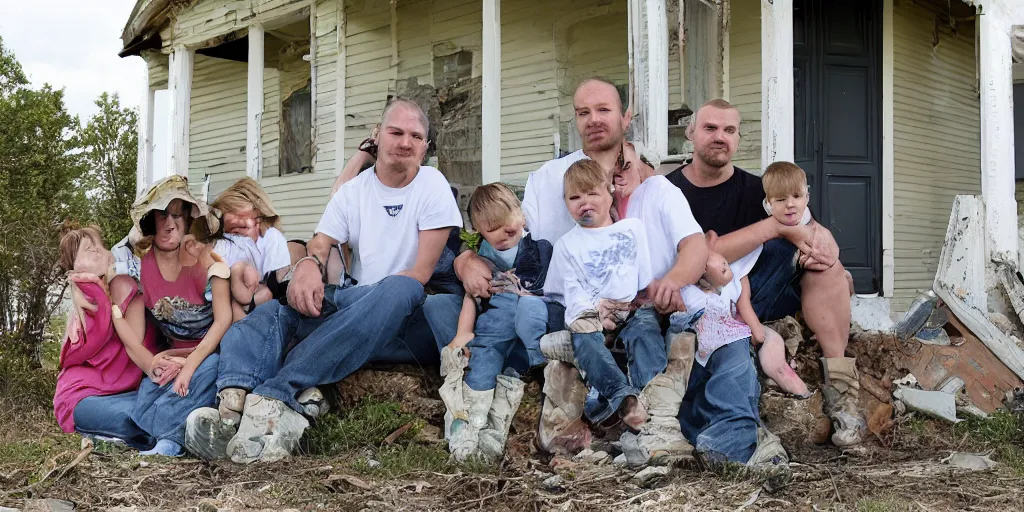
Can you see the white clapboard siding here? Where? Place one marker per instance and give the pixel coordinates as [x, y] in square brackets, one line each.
[207, 19]
[217, 122]
[936, 138]
[745, 79]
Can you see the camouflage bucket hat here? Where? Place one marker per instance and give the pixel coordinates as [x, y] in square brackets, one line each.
[160, 195]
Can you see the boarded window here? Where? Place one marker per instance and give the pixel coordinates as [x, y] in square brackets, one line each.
[296, 134]
[450, 69]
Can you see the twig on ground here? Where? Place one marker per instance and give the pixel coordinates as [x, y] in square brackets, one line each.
[81, 456]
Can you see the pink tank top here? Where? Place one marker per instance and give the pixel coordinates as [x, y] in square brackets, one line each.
[180, 308]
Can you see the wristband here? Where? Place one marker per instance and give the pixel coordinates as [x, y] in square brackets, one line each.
[319, 264]
[115, 311]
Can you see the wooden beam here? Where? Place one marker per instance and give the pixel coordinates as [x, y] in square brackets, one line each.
[888, 153]
[491, 93]
[314, 77]
[776, 81]
[254, 105]
[339, 99]
[648, 66]
[144, 166]
[997, 160]
[179, 88]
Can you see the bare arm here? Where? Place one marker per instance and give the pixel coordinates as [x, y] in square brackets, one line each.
[741, 242]
[467, 322]
[221, 321]
[746, 311]
[691, 258]
[431, 243]
[351, 170]
[132, 331]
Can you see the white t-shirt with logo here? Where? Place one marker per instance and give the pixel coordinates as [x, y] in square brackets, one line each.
[590, 264]
[547, 217]
[382, 224]
[663, 209]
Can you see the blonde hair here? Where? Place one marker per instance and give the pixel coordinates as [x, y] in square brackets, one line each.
[493, 205]
[72, 240]
[246, 193]
[584, 176]
[782, 179]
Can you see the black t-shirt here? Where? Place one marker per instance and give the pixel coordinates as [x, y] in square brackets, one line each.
[726, 207]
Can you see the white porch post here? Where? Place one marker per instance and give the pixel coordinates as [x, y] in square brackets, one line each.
[179, 88]
[776, 81]
[339, 98]
[648, 63]
[490, 118]
[144, 166]
[253, 139]
[997, 157]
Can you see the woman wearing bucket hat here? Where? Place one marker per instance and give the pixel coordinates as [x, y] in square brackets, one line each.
[185, 289]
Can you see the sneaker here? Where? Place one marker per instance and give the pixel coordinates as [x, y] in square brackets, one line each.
[207, 434]
[269, 431]
[165, 448]
[768, 466]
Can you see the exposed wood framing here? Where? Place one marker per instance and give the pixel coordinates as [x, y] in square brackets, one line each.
[777, 142]
[254, 105]
[491, 93]
[313, 78]
[144, 167]
[997, 158]
[394, 33]
[180, 91]
[648, 66]
[339, 102]
[960, 280]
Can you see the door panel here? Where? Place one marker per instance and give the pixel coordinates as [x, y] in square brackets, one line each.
[837, 102]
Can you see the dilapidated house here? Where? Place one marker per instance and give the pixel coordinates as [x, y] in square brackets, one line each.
[892, 106]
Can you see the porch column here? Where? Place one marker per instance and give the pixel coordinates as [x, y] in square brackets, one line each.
[490, 118]
[776, 81]
[648, 66]
[997, 158]
[144, 165]
[179, 89]
[339, 93]
[253, 139]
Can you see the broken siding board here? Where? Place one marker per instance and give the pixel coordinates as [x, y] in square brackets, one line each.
[936, 142]
[745, 79]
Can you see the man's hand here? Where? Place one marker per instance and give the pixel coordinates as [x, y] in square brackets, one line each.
[818, 249]
[306, 290]
[474, 273]
[666, 295]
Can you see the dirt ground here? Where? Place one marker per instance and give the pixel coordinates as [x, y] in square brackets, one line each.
[899, 470]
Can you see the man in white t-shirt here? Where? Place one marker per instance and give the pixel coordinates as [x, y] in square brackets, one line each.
[396, 217]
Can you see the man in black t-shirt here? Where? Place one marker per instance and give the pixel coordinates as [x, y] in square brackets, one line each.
[727, 200]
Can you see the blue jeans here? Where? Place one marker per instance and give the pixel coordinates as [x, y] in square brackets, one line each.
[719, 415]
[646, 357]
[775, 281]
[440, 315]
[111, 416]
[161, 412]
[363, 323]
[508, 317]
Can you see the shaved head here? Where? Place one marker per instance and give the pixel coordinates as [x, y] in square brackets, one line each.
[409, 104]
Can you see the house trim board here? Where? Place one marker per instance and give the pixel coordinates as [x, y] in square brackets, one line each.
[490, 137]
[888, 154]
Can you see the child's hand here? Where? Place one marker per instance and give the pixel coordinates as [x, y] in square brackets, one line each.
[461, 340]
[757, 334]
[185, 376]
[610, 312]
[81, 304]
[165, 369]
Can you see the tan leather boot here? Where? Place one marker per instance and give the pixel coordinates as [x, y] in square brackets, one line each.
[841, 390]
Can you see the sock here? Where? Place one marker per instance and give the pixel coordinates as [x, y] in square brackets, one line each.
[166, 448]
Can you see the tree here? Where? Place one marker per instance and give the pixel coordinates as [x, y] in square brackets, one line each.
[41, 171]
[110, 141]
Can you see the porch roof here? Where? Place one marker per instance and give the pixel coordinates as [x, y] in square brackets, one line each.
[142, 31]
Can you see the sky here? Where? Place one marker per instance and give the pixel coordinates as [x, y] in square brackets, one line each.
[73, 44]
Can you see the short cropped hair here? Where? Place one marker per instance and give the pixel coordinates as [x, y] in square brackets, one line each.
[584, 176]
[623, 99]
[494, 205]
[72, 240]
[782, 179]
[718, 103]
[406, 102]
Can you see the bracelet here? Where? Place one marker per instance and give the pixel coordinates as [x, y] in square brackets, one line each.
[319, 264]
[115, 311]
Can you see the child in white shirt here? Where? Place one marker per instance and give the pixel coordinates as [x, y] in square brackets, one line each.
[597, 269]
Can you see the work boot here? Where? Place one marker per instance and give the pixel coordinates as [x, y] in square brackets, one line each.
[313, 403]
[507, 396]
[557, 346]
[269, 431]
[841, 390]
[660, 441]
[207, 434]
[466, 409]
[232, 402]
[562, 429]
[769, 464]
